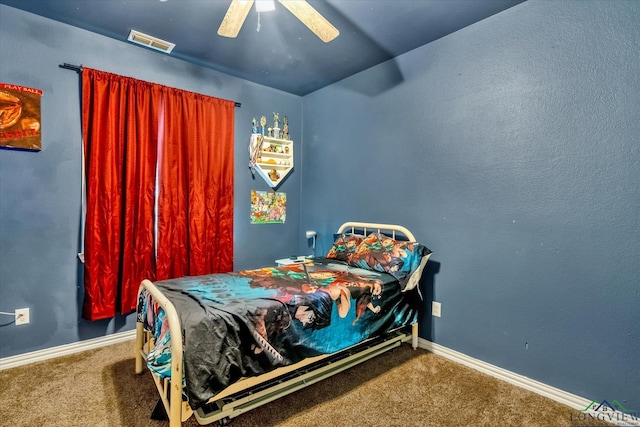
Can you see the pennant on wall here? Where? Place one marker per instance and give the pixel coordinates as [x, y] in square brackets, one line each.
[20, 117]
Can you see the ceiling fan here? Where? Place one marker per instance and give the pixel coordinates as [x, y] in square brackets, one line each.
[239, 9]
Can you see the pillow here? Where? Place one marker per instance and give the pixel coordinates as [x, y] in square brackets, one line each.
[344, 246]
[382, 253]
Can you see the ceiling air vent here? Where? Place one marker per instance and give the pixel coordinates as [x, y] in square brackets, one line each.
[149, 41]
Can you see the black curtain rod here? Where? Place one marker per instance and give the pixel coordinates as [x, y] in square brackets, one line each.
[78, 69]
[71, 67]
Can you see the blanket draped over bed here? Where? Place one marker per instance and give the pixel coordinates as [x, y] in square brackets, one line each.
[250, 322]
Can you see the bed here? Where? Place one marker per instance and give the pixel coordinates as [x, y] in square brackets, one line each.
[222, 344]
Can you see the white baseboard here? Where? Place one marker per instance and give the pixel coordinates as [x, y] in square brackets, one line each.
[63, 350]
[555, 394]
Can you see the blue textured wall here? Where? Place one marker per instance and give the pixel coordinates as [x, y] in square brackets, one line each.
[40, 191]
[511, 148]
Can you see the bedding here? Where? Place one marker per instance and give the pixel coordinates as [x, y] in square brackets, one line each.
[246, 323]
[383, 253]
[345, 246]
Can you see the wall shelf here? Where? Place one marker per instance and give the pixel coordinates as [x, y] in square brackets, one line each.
[271, 158]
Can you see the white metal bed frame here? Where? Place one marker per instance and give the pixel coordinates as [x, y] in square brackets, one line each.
[250, 393]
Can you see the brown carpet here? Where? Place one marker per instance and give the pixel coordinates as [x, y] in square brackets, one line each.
[400, 388]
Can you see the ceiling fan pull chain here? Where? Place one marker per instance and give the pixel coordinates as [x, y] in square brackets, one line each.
[258, 29]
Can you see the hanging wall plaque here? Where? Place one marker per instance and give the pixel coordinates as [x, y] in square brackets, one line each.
[271, 158]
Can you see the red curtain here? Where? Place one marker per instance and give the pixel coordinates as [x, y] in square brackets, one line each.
[195, 206]
[119, 117]
[130, 129]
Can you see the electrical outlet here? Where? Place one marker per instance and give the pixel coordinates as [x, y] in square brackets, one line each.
[22, 316]
[436, 309]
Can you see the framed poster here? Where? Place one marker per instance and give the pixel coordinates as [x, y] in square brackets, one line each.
[268, 207]
[20, 117]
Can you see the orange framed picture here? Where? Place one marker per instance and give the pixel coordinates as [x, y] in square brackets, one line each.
[20, 117]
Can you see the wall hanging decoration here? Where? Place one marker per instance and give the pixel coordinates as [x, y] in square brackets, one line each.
[20, 117]
[268, 207]
[271, 150]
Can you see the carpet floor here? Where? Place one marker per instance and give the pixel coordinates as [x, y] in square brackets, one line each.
[403, 387]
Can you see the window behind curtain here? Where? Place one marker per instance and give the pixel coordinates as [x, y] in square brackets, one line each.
[151, 147]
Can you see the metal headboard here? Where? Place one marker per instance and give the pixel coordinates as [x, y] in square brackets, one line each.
[380, 228]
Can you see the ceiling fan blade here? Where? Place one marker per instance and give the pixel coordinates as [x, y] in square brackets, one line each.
[234, 18]
[312, 19]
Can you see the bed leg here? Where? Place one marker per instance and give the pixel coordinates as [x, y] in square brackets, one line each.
[139, 347]
[414, 335]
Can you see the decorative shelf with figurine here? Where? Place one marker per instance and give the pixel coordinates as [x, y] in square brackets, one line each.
[270, 156]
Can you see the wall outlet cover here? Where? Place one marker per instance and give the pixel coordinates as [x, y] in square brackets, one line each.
[436, 309]
[22, 316]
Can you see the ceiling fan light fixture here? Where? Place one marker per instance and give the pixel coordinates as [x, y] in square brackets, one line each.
[239, 9]
[265, 6]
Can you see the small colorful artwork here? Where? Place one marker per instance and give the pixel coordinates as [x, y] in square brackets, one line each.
[268, 207]
[20, 117]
